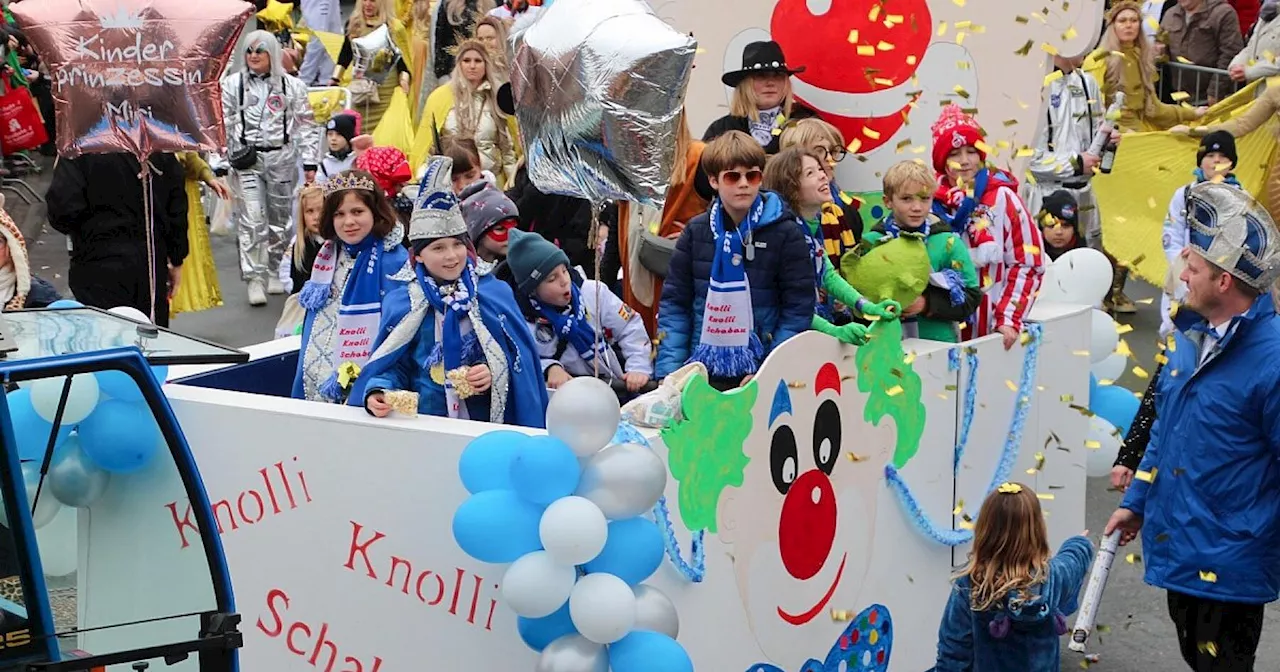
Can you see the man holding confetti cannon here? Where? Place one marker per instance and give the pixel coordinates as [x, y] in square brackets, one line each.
[1204, 496]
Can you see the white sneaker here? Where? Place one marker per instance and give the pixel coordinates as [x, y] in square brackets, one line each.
[257, 295]
[275, 286]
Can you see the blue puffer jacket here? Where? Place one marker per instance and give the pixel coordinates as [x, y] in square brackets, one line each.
[781, 279]
[1212, 517]
[1014, 636]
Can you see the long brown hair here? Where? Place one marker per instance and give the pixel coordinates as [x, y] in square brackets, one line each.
[464, 102]
[744, 104]
[498, 57]
[1010, 547]
[301, 234]
[684, 139]
[384, 215]
[782, 174]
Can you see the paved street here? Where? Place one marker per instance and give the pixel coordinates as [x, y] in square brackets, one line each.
[1139, 636]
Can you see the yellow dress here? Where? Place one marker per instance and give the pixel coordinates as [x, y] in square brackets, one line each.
[370, 112]
[199, 288]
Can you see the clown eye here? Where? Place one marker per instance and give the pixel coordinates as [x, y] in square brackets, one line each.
[826, 436]
[783, 459]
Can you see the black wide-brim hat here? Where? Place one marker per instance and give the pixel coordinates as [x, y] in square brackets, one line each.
[760, 58]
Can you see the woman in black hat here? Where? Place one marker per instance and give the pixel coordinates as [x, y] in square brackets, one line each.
[762, 101]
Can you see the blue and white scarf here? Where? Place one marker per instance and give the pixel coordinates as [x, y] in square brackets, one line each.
[453, 349]
[948, 278]
[572, 324]
[359, 308]
[728, 345]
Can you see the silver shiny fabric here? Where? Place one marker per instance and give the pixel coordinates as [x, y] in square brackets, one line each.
[263, 195]
[1074, 112]
[1233, 231]
[598, 86]
[375, 55]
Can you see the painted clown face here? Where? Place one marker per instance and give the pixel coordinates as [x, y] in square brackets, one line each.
[802, 523]
[910, 56]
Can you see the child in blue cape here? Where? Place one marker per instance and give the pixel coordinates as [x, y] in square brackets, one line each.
[457, 339]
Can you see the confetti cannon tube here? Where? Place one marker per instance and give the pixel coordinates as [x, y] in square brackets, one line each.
[1093, 592]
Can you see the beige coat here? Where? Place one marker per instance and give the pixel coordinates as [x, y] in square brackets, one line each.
[1260, 112]
[1261, 56]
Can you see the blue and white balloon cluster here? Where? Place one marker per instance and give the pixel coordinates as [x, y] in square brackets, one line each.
[568, 511]
[1113, 407]
[106, 428]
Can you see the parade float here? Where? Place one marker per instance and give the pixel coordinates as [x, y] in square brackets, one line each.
[810, 520]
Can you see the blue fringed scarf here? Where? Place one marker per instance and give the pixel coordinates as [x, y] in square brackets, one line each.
[728, 345]
[573, 324]
[359, 308]
[453, 349]
[1229, 178]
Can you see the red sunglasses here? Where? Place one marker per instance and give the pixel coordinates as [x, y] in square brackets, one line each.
[753, 176]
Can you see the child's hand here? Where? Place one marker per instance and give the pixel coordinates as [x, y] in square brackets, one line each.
[1121, 477]
[479, 378]
[557, 376]
[854, 334]
[885, 310]
[635, 381]
[746, 379]
[377, 405]
[915, 308]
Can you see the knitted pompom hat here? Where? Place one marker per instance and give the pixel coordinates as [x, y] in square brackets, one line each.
[954, 129]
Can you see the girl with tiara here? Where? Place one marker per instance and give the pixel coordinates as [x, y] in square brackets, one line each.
[455, 340]
[350, 277]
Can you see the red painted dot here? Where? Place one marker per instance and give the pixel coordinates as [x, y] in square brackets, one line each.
[880, 656]
[854, 636]
[873, 616]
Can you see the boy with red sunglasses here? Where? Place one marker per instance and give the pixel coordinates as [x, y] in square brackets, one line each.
[740, 280]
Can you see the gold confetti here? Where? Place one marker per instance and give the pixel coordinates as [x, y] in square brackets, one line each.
[874, 135]
[853, 36]
[1140, 372]
[1208, 647]
[884, 46]
[1021, 19]
[965, 525]
[1049, 49]
[894, 18]
[1123, 349]
[1045, 495]
[959, 508]
[982, 146]
[942, 28]
[1039, 461]
[841, 615]
[1052, 77]
[1070, 34]
[1208, 577]
[1024, 152]
[854, 457]
[1009, 384]
[1092, 445]
[1025, 48]
[960, 38]
[1031, 249]
[1067, 398]
[1184, 60]
[894, 391]
[909, 358]
[1145, 476]
[883, 81]
[911, 60]
[1151, 203]
[1124, 328]
[1133, 558]
[1179, 96]
[874, 13]
[958, 3]
[1080, 353]
[1025, 338]
[855, 145]
[866, 50]
[961, 92]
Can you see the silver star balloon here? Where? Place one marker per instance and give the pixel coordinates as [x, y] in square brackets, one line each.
[598, 87]
[375, 55]
[1234, 232]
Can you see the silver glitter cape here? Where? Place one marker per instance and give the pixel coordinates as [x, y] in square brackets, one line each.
[1229, 228]
[598, 87]
[436, 211]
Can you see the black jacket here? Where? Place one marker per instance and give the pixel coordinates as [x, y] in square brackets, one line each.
[731, 123]
[96, 199]
[565, 221]
[300, 276]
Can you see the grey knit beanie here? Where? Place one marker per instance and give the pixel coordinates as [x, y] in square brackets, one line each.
[483, 207]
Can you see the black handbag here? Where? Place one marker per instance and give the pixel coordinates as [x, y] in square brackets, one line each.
[655, 253]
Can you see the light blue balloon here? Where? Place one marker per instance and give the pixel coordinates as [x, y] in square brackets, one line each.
[497, 526]
[120, 436]
[486, 461]
[66, 303]
[537, 633]
[120, 385]
[646, 651]
[544, 469]
[1093, 389]
[633, 551]
[74, 479]
[31, 430]
[1115, 405]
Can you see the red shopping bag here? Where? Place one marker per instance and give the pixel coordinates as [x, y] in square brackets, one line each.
[21, 127]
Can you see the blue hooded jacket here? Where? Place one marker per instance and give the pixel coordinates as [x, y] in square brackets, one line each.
[1207, 484]
[781, 277]
[407, 368]
[1014, 636]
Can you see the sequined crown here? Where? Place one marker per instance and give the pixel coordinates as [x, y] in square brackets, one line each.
[1233, 231]
[436, 212]
[348, 180]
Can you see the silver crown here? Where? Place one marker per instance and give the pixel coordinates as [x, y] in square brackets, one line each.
[436, 212]
[1230, 229]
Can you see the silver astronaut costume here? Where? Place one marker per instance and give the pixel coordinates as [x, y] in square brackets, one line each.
[1074, 112]
[277, 120]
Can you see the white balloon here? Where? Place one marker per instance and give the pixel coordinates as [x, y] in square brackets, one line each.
[1104, 337]
[535, 585]
[573, 530]
[82, 399]
[603, 608]
[1081, 276]
[131, 313]
[1099, 461]
[584, 413]
[1110, 368]
[655, 612]
[59, 543]
[625, 480]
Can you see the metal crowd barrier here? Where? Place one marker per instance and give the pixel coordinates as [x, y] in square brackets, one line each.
[1202, 85]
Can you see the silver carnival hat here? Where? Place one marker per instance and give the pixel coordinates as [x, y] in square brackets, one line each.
[1230, 229]
[436, 211]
